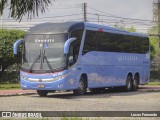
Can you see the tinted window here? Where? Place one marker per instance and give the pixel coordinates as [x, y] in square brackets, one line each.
[90, 42]
[111, 42]
[76, 44]
[137, 44]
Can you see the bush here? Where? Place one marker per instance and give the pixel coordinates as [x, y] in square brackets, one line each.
[7, 39]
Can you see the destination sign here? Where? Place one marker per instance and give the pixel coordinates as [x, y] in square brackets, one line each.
[44, 40]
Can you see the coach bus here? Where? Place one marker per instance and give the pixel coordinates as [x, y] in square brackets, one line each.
[82, 55]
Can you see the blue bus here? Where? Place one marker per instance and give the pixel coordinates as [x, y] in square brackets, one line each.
[82, 55]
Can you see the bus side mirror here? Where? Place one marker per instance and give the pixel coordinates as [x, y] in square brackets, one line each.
[67, 45]
[15, 46]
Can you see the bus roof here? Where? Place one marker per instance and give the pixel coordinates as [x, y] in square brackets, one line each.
[112, 29]
[65, 27]
[51, 28]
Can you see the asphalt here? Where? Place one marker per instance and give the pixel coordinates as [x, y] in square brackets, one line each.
[19, 92]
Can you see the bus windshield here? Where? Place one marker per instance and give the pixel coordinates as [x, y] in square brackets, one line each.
[44, 52]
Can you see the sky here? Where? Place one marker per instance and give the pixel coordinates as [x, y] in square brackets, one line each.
[141, 9]
[110, 12]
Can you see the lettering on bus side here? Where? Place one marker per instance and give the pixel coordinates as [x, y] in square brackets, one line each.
[127, 58]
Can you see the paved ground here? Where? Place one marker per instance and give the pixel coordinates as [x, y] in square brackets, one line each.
[17, 92]
[145, 99]
[109, 100]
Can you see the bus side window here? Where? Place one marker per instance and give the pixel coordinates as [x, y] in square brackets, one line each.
[89, 43]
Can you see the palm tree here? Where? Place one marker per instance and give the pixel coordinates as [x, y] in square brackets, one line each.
[20, 8]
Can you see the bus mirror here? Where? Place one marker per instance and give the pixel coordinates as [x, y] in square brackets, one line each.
[67, 45]
[15, 46]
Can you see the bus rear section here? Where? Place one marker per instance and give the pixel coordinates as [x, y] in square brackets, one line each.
[115, 58]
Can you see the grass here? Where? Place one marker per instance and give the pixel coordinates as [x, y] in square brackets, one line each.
[79, 118]
[8, 86]
[27, 119]
[153, 83]
[66, 118]
[74, 118]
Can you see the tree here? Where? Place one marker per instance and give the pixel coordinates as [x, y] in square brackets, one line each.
[153, 47]
[155, 63]
[131, 29]
[7, 38]
[154, 43]
[20, 8]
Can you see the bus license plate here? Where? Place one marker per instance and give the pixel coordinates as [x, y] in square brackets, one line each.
[40, 86]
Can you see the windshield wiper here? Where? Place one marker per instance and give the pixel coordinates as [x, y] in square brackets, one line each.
[49, 65]
[41, 57]
[35, 61]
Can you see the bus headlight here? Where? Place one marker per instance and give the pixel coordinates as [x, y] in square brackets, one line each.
[45, 79]
[23, 77]
[60, 77]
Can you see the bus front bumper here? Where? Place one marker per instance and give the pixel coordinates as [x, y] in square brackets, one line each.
[60, 84]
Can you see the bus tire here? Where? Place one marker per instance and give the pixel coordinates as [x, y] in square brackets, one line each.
[82, 87]
[135, 83]
[128, 86]
[42, 93]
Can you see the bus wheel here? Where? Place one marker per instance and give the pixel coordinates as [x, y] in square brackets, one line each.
[82, 88]
[42, 93]
[128, 86]
[135, 83]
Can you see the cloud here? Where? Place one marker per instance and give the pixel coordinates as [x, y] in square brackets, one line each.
[139, 9]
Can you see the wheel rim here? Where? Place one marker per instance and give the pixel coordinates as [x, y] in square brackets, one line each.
[129, 83]
[81, 86]
[135, 83]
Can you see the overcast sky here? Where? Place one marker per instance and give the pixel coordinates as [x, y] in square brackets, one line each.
[135, 9]
[141, 9]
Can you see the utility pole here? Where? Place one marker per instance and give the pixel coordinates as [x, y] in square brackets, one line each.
[1, 21]
[84, 8]
[98, 17]
[159, 17]
[156, 13]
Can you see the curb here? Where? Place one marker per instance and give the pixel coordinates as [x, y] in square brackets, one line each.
[152, 90]
[141, 89]
[17, 94]
[149, 89]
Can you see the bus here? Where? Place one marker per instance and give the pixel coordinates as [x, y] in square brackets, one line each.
[82, 55]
